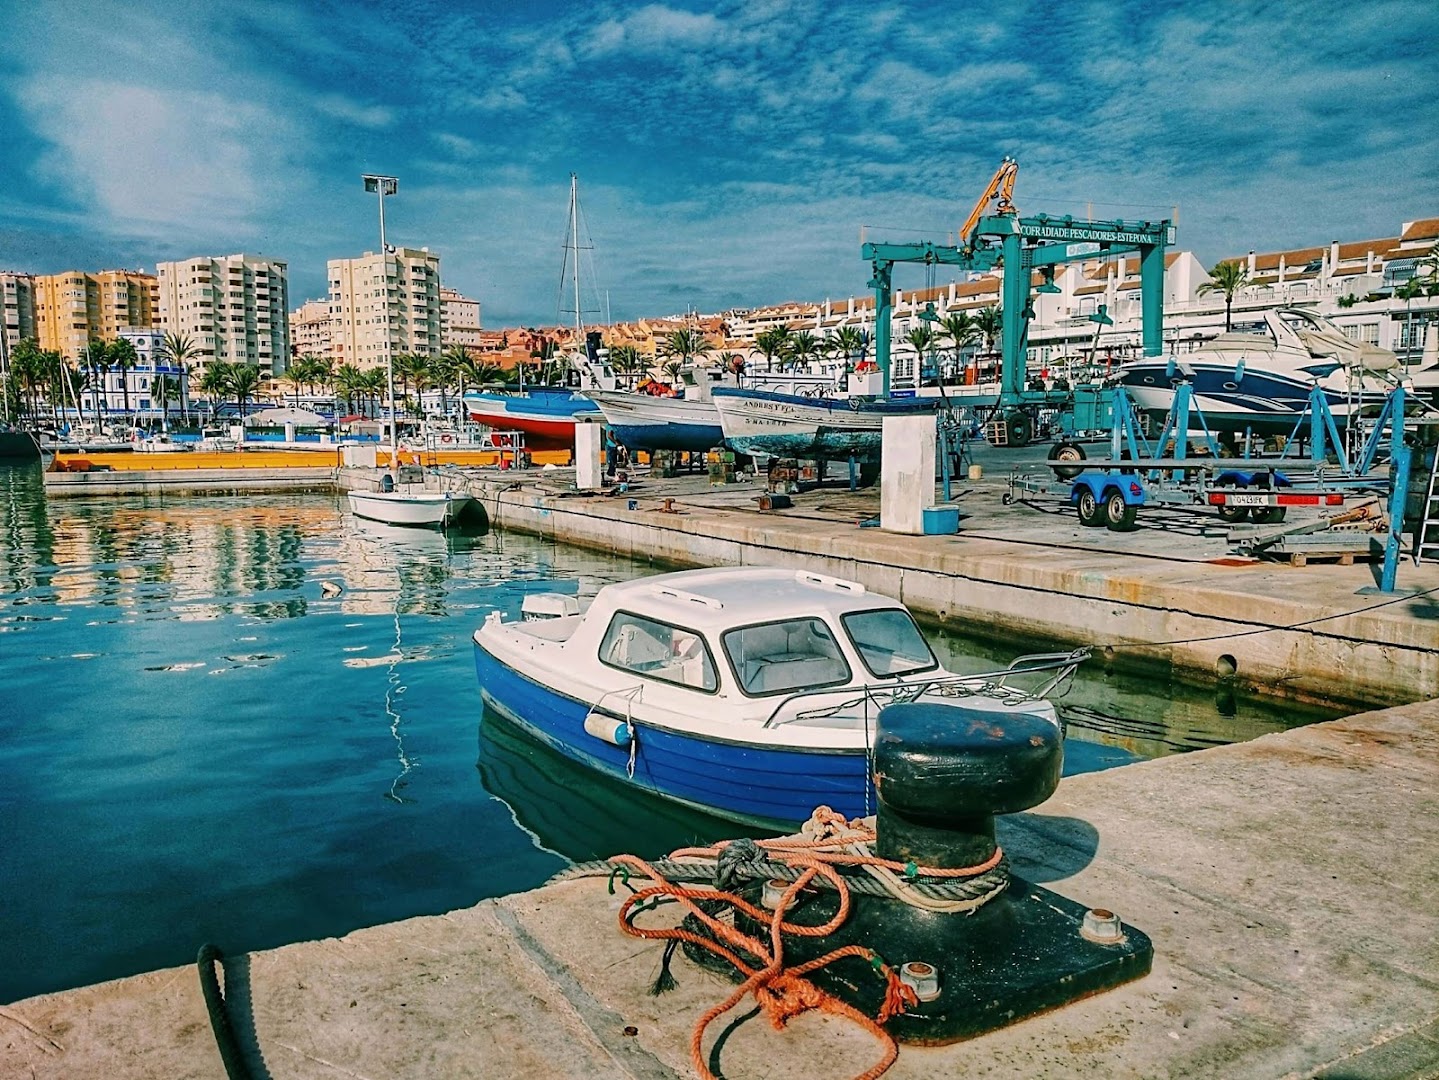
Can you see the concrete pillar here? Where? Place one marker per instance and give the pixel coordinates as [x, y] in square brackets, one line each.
[907, 465]
[589, 456]
[290, 432]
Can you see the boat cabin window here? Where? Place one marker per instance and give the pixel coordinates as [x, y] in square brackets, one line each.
[889, 642]
[658, 650]
[782, 657]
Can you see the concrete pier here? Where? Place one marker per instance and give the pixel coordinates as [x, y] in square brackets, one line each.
[1288, 885]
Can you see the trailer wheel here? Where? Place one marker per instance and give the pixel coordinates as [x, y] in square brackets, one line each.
[1066, 451]
[1091, 513]
[1233, 514]
[1270, 515]
[1118, 514]
[1006, 499]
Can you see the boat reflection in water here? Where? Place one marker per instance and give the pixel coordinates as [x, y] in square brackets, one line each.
[581, 814]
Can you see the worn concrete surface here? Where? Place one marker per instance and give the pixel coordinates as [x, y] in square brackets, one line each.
[1034, 571]
[1288, 885]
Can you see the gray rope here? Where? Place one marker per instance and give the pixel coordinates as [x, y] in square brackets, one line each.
[747, 868]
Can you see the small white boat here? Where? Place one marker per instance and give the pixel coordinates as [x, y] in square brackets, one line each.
[422, 508]
[750, 692]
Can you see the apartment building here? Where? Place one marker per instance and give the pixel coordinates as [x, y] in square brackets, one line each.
[312, 330]
[128, 298]
[75, 306]
[17, 310]
[234, 309]
[459, 321]
[67, 312]
[385, 305]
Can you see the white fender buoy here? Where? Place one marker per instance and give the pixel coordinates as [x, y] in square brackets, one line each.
[607, 729]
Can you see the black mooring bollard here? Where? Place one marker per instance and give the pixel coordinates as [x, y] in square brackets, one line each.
[942, 773]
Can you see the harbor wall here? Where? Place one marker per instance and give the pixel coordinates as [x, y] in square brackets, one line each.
[189, 481]
[1211, 622]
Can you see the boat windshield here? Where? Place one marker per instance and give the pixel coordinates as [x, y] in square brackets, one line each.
[889, 642]
[658, 650]
[782, 657]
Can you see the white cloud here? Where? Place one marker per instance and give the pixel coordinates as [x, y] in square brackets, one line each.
[374, 117]
[150, 161]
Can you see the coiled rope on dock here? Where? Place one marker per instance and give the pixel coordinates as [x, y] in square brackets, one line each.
[829, 851]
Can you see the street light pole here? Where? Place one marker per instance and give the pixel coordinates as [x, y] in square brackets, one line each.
[382, 186]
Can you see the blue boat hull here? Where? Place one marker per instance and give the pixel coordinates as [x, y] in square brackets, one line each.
[692, 437]
[755, 784]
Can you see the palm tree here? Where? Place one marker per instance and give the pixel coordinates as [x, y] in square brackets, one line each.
[349, 381]
[771, 343]
[177, 348]
[162, 390]
[990, 323]
[215, 384]
[1227, 278]
[802, 347]
[372, 384]
[122, 355]
[296, 376]
[452, 367]
[244, 380]
[684, 344]
[921, 339]
[27, 368]
[626, 360]
[850, 342]
[961, 329]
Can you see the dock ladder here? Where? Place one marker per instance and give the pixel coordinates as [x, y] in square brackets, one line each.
[1426, 534]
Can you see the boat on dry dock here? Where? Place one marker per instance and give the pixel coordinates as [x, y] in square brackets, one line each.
[1262, 381]
[791, 425]
[750, 692]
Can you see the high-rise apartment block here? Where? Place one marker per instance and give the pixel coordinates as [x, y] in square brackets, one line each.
[312, 329]
[127, 298]
[459, 320]
[385, 305]
[233, 309]
[73, 307]
[17, 310]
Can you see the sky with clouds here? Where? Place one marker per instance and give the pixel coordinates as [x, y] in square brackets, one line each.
[728, 154]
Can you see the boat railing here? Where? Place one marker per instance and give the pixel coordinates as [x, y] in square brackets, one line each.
[993, 684]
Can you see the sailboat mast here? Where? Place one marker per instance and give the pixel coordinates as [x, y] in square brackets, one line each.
[575, 242]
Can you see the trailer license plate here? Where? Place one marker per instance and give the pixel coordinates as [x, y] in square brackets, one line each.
[1246, 500]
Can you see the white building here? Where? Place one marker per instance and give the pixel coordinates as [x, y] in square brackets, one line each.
[459, 320]
[385, 305]
[233, 309]
[312, 330]
[112, 391]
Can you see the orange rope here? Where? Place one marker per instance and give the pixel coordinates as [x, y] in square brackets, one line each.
[782, 993]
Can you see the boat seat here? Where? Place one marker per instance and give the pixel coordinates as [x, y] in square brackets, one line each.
[792, 673]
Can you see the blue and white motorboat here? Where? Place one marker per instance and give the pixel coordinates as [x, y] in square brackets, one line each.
[1262, 381]
[795, 425]
[749, 692]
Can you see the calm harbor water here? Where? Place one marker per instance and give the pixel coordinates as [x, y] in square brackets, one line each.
[204, 739]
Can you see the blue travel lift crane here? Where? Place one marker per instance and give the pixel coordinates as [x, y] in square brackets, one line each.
[1022, 245]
